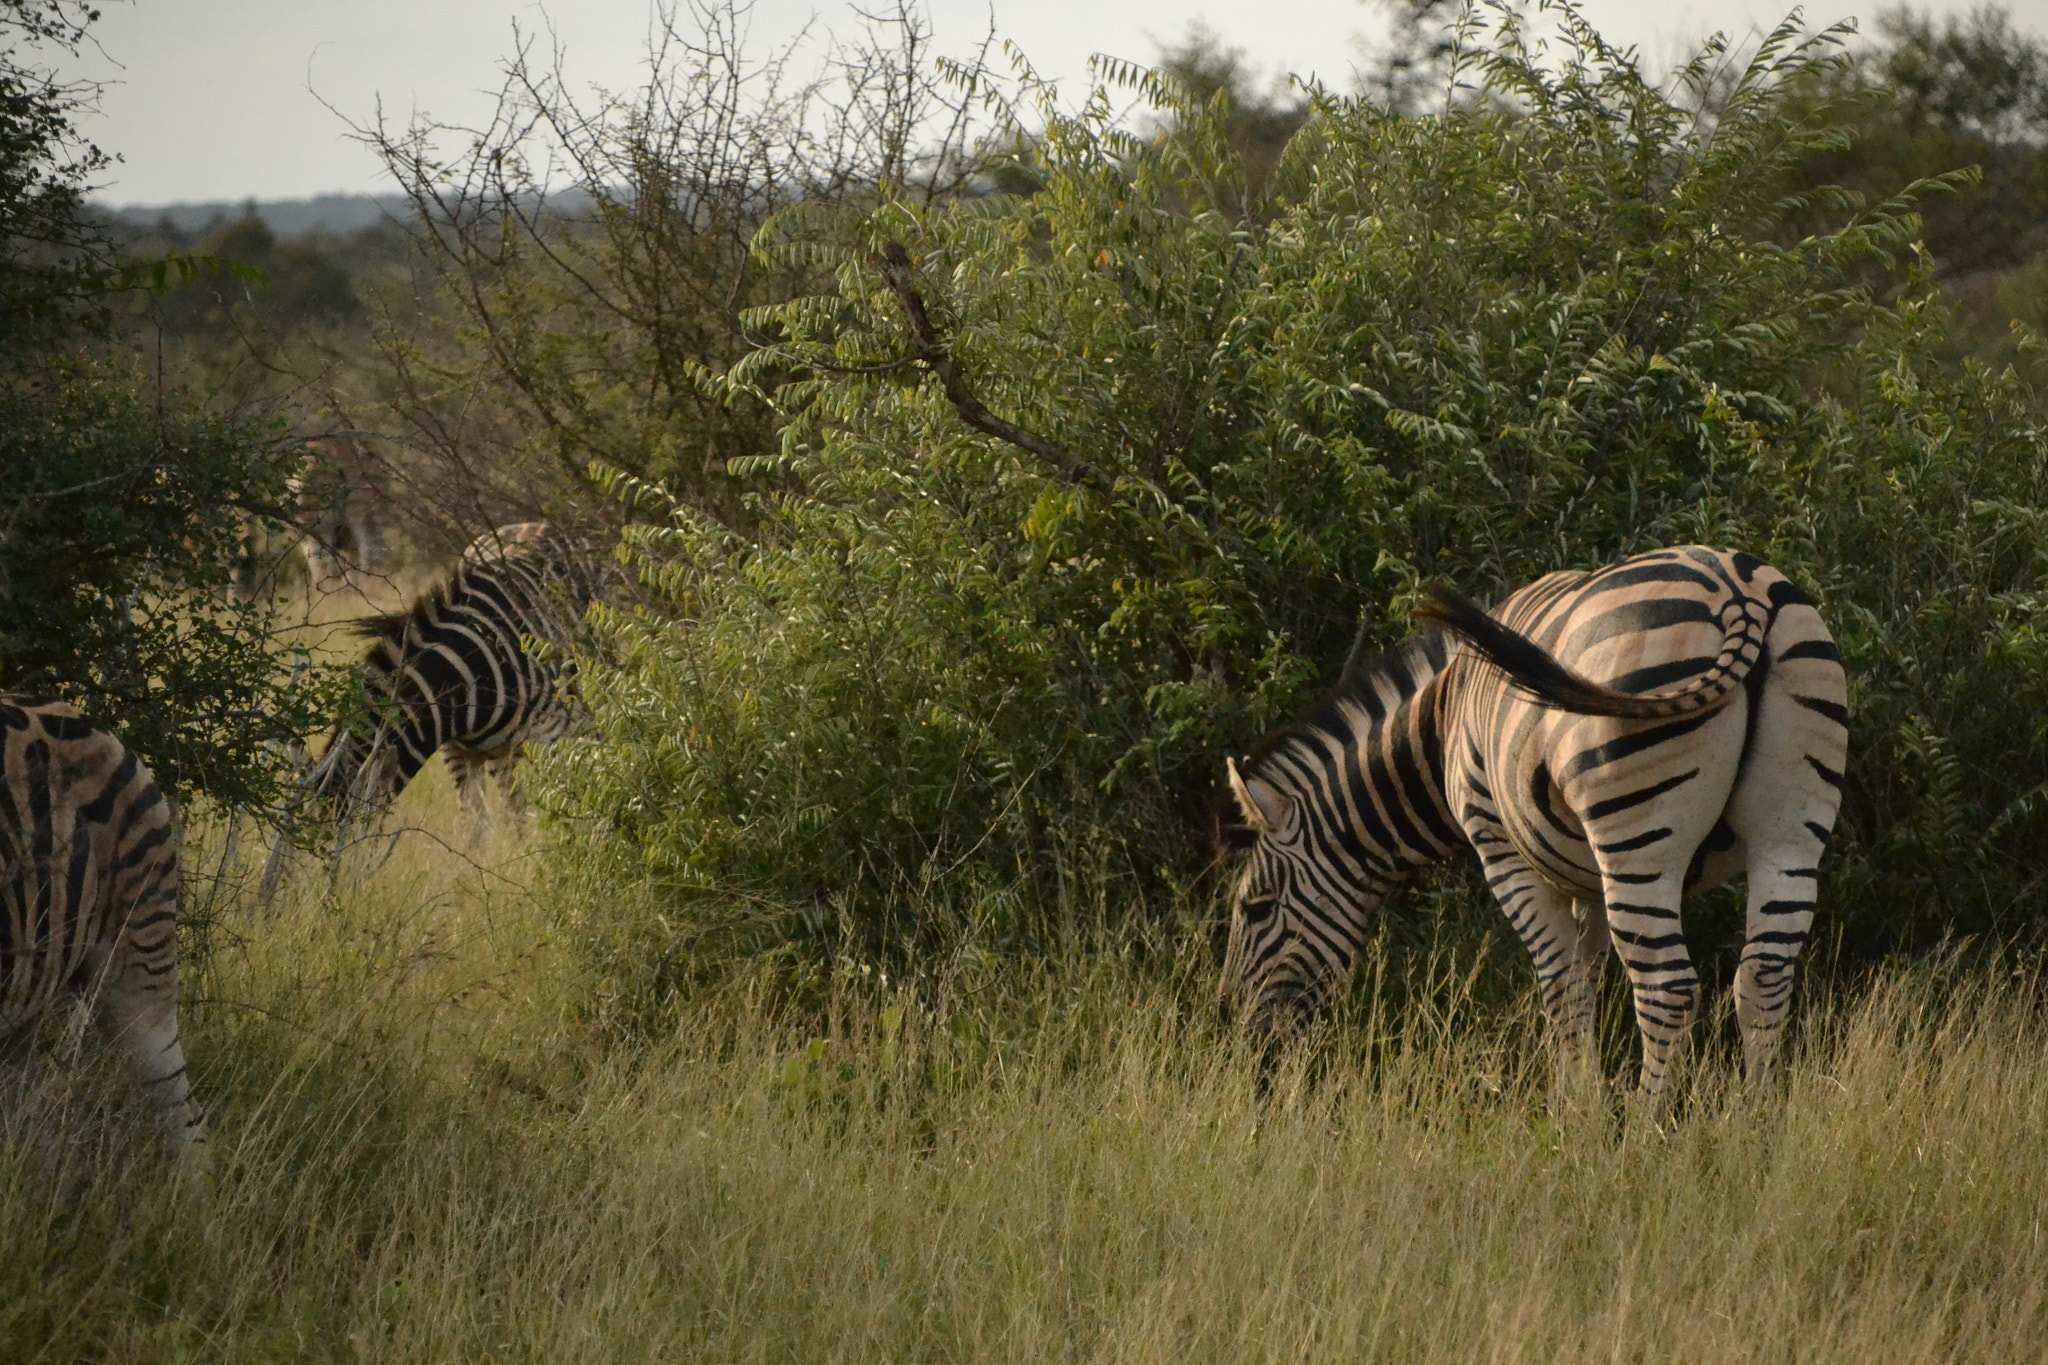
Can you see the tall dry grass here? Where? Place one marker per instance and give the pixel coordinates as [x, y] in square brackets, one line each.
[422, 1153]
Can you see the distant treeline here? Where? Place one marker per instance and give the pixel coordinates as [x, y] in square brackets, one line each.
[333, 213]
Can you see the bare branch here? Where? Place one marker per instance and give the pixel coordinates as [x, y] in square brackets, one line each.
[896, 272]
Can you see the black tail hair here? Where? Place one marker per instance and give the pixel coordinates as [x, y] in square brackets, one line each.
[1537, 672]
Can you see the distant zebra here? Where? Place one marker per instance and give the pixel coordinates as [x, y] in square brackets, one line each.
[340, 508]
[449, 673]
[336, 524]
[1616, 739]
[89, 901]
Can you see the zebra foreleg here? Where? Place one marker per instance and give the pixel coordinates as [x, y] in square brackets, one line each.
[273, 871]
[1581, 1001]
[469, 770]
[504, 774]
[18, 1072]
[143, 1028]
[1567, 951]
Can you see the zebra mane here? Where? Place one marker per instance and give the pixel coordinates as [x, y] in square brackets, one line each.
[1419, 658]
[390, 626]
[552, 564]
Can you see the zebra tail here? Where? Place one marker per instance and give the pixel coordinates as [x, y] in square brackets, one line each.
[1541, 675]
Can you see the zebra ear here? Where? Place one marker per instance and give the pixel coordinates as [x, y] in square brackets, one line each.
[1263, 808]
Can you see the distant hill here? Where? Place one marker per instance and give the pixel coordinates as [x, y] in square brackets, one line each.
[285, 217]
[295, 217]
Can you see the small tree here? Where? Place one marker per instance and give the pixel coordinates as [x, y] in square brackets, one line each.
[122, 514]
[592, 255]
[1257, 123]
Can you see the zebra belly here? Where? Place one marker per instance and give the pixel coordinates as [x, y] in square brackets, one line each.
[1561, 863]
[1562, 860]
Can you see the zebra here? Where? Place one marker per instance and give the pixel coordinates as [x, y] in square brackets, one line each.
[336, 526]
[340, 510]
[1609, 741]
[449, 673]
[89, 902]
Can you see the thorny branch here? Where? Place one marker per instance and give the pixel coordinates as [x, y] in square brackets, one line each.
[896, 272]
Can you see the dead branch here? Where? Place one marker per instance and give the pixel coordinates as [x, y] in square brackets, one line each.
[896, 272]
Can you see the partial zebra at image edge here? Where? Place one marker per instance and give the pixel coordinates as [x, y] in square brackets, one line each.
[89, 885]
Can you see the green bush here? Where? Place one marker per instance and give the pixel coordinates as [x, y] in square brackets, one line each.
[121, 532]
[949, 699]
[124, 514]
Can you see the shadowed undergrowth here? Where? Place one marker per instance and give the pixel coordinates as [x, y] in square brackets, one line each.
[423, 1153]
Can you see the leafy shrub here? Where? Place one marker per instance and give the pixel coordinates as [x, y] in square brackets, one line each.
[948, 690]
[122, 530]
[122, 518]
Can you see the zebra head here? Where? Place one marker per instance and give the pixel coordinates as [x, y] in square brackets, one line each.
[1336, 809]
[1298, 916]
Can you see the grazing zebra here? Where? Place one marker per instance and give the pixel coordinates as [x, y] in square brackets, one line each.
[89, 901]
[1614, 740]
[450, 673]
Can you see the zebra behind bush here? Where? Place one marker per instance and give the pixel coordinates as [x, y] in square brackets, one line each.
[1713, 745]
[89, 901]
[342, 509]
[450, 674]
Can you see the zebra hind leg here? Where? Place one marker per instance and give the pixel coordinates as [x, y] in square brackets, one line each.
[1643, 922]
[1784, 811]
[143, 1028]
[1774, 935]
[1784, 880]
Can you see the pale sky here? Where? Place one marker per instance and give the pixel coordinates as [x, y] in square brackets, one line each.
[228, 99]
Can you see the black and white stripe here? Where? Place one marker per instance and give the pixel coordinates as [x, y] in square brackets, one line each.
[452, 674]
[89, 901]
[1607, 743]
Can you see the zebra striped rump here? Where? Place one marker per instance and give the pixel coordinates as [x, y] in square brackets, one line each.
[1607, 743]
[89, 900]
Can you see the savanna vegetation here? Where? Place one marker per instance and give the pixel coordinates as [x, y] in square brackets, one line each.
[987, 463]
[421, 1152]
[122, 505]
[942, 693]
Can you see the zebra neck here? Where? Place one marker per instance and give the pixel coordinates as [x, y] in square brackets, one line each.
[1377, 750]
[392, 742]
